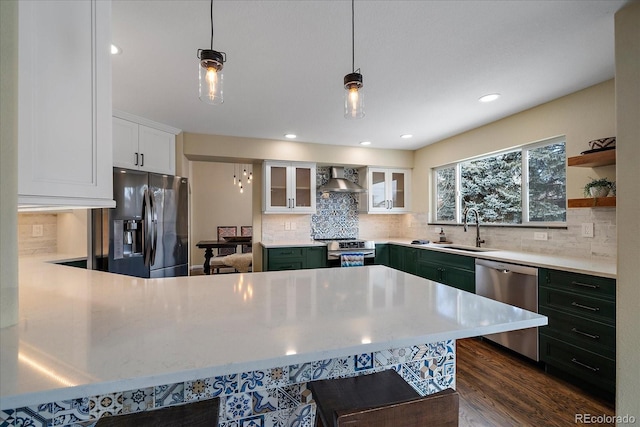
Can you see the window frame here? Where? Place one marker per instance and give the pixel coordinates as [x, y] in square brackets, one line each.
[524, 149]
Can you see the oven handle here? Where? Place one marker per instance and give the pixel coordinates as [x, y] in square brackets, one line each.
[337, 255]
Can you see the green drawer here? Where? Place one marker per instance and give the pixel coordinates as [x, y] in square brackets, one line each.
[587, 366]
[453, 260]
[284, 264]
[600, 287]
[286, 252]
[594, 336]
[573, 303]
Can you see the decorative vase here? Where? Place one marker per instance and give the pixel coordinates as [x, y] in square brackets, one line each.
[599, 191]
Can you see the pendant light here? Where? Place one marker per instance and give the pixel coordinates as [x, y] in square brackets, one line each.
[210, 67]
[353, 99]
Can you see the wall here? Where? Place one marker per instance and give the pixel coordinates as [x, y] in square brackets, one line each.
[215, 201]
[8, 162]
[72, 233]
[30, 244]
[627, 36]
[582, 116]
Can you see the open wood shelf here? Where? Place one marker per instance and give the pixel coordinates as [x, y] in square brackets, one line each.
[592, 202]
[601, 158]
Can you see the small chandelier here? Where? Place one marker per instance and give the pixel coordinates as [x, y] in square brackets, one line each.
[353, 97]
[210, 67]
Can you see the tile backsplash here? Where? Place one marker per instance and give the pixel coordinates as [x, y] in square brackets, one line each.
[336, 213]
[30, 242]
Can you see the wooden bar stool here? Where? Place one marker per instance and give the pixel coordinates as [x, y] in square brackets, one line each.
[382, 399]
[196, 414]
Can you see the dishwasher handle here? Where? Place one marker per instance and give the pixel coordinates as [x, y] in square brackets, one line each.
[505, 268]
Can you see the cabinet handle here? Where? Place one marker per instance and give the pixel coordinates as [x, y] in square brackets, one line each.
[584, 365]
[585, 285]
[390, 204]
[286, 253]
[142, 159]
[586, 307]
[136, 159]
[579, 332]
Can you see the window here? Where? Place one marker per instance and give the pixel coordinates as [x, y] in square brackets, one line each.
[521, 186]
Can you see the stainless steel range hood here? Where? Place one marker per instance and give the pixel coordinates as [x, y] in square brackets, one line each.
[339, 184]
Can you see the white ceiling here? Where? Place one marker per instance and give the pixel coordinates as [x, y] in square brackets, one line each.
[425, 64]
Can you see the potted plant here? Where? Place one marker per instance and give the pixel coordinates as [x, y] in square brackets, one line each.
[598, 187]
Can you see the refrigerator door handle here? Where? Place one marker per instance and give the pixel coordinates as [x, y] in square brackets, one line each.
[147, 220]
[154, 228]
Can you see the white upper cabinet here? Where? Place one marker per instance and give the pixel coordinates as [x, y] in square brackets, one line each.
[289, 187]
[64, 104]
[143, 147]
[388, 190]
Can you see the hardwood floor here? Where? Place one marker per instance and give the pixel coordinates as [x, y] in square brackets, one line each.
[499, 388]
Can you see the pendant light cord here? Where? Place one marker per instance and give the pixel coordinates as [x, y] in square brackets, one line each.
[353, 37]
[211, 24]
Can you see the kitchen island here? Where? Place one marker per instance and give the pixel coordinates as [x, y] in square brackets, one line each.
[91, 343]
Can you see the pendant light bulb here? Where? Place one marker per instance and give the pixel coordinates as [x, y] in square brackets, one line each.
[211, 78]
[353, 99]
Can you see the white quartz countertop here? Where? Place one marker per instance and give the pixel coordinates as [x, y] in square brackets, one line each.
[85, 332]
[565, 263]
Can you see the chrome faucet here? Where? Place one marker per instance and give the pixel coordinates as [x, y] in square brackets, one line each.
[465, 215]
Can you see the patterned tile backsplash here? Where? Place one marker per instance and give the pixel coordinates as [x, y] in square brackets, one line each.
[336, 213]
[275, 397]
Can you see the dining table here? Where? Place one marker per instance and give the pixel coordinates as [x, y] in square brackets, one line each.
[210, 245]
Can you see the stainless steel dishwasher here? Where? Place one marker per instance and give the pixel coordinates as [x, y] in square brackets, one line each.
[515, 285]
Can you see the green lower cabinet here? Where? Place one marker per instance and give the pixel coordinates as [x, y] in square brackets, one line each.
[382, 254]
[579, 341]
[395, 257]
[452, 276]
[294, 258]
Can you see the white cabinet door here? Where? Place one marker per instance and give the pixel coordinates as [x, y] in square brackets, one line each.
[125, 144]
[64, 111]
[388, 190]
[289, 187]
[157, 150]
[137, 146]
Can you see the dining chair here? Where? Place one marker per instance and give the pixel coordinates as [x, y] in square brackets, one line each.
[226, 231]
[381, 399]
[246, 231]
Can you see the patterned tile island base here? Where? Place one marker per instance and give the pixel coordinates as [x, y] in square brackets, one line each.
[276, 397]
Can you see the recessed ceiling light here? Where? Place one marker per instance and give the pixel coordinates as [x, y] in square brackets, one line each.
[290, 135]
[115, 50]
[490, 97]
[406, 136]
[365, 143]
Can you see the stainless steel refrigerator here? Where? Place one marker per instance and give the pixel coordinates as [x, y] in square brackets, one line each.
[148, 230]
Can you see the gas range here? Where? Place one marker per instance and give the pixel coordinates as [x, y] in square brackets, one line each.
[336, 247]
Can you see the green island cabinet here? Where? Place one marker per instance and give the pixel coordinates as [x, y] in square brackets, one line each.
[579, 342]
[294, 258]
[450, 269]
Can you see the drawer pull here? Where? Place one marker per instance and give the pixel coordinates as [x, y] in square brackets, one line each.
[579, 332]
[586, 307]
[584, 365]
[585, 285]
[286, 253]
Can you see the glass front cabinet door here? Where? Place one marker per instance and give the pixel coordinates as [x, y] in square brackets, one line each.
[289, 187]
[388, 190]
